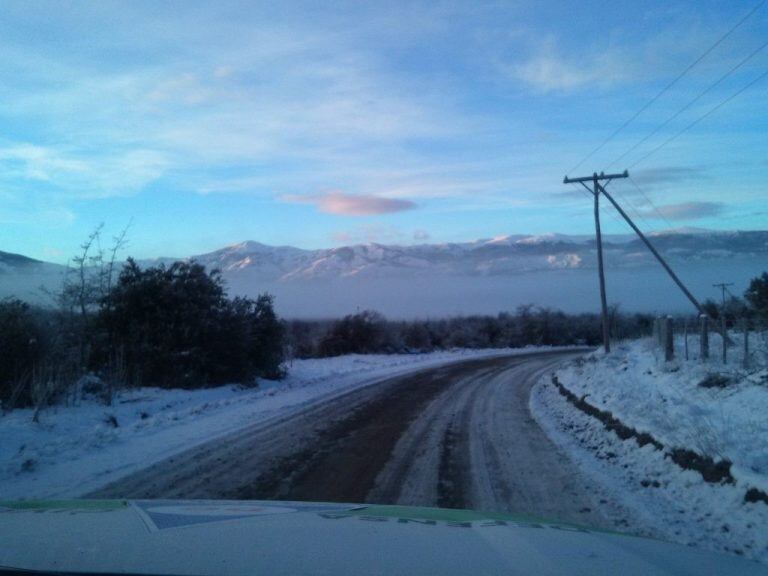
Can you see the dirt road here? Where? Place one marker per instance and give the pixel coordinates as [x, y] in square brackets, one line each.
[455, 436]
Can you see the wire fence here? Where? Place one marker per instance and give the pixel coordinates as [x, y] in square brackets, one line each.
[738, 342]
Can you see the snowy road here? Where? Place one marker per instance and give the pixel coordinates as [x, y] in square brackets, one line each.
[455, 436]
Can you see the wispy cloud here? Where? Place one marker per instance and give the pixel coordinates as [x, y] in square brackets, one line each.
[100, 175]
[669, 175]
[548, 70]
[688, 210]
[41, 163]
[223, 96]
[351, 204]
[566, 61]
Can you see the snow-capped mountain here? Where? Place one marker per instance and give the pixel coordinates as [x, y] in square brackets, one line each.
[497, 256]
[484, 276]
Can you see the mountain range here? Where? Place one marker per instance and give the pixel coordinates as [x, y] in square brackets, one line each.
[484, 276]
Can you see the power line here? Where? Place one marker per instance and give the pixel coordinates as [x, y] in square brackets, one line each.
[731, 293]
[612, 215]
[650, 203]
[634, 209]
[689, 104]
[618, 191]
[668, 86]
[724, 287]
[700, 118]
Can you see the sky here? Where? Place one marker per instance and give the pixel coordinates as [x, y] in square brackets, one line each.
[313, 124]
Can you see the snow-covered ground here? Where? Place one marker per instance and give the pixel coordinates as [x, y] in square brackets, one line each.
[667, 401]
[73, 450]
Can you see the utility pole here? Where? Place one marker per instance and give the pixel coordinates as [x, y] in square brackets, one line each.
[724, 287]
[595, 191]
[723, 326]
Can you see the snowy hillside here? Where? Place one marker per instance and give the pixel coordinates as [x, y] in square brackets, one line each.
[484, 276]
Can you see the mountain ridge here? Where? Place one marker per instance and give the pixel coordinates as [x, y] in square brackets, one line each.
[507, 254]
[482, 276]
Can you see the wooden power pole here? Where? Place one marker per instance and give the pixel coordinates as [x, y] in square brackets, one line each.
[723, 321]
[596, 190]
[724, 287]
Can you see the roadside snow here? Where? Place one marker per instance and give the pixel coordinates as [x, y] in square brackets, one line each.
[666, 400]
[76, 449]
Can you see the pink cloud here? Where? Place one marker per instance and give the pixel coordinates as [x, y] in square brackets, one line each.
[351, 204]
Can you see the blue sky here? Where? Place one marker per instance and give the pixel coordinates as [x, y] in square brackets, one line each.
[318, 124]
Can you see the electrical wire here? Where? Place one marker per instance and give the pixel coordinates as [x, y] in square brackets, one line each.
[591, 197]
[731, 293]
[688, 105]
[668, 86]
[636, 212]
[650, 203]
[700, 118]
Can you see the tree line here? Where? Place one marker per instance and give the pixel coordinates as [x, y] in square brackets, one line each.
[369, 332]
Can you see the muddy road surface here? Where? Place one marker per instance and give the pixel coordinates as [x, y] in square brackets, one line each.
[457, 436]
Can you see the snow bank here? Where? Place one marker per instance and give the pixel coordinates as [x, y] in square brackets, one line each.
[667, 401]
[76, 449]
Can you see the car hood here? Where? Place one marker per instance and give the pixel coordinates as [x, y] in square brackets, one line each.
[214, 537]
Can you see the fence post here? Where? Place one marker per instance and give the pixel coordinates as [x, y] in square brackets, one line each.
[703, 337]
[669, 340]
[746, 343]
[685, 333]
[724, 334]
